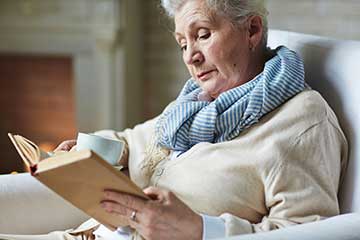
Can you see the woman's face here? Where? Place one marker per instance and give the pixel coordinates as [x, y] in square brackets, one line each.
[216, 53]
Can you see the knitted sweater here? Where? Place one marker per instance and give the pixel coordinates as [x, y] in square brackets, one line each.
[284, 170]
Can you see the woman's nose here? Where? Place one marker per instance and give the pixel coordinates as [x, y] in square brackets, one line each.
[194, 58]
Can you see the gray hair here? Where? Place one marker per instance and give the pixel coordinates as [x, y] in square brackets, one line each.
[235, 10]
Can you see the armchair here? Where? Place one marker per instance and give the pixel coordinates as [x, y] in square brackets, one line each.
[332, 68]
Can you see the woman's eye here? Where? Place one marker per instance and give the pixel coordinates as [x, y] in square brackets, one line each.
[204, 36]
[183, 48]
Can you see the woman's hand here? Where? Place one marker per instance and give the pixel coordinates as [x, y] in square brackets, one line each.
[66, 145]
[163, 217]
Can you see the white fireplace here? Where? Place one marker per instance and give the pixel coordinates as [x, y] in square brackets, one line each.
[91, 33]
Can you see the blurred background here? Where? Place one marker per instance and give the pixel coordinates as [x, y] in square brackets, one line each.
[83, 65]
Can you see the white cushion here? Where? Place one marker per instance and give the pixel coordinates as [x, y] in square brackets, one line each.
[333, 68]
[28, 207]
[343, 227]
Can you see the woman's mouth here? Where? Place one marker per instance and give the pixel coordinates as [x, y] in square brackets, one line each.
[203, 76]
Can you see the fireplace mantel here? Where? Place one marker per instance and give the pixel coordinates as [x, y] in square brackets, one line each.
[90, 31]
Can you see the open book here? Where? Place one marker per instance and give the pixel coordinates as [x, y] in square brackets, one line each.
[80, 177]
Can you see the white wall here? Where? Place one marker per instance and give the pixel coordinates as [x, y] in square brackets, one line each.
[333, 18]
[164, 70]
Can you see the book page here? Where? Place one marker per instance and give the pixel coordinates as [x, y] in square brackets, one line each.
[21, 148]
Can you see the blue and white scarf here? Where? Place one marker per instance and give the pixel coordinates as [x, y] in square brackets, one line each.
[190, 121]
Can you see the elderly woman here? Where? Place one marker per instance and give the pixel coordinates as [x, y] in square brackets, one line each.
[246, 147]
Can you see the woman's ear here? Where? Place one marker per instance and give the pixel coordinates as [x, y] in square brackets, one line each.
[255, 30]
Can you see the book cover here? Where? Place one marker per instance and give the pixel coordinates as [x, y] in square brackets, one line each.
[80, 177]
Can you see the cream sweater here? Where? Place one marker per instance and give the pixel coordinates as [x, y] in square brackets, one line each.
[282, 171]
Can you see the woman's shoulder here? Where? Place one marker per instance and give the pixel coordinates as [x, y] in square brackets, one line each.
[308, 102]
[305, 110]
[296, 133]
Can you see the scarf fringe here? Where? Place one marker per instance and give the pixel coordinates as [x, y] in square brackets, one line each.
[154, 154]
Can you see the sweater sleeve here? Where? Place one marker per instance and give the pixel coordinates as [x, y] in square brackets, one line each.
[136, 140]
[302, 186]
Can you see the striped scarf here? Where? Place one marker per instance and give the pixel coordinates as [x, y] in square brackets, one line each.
[190, 121]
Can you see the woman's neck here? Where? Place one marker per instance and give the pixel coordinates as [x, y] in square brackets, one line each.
[260, 57]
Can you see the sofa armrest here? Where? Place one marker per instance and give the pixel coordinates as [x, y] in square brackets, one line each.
[28, 207]
[344, 227]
